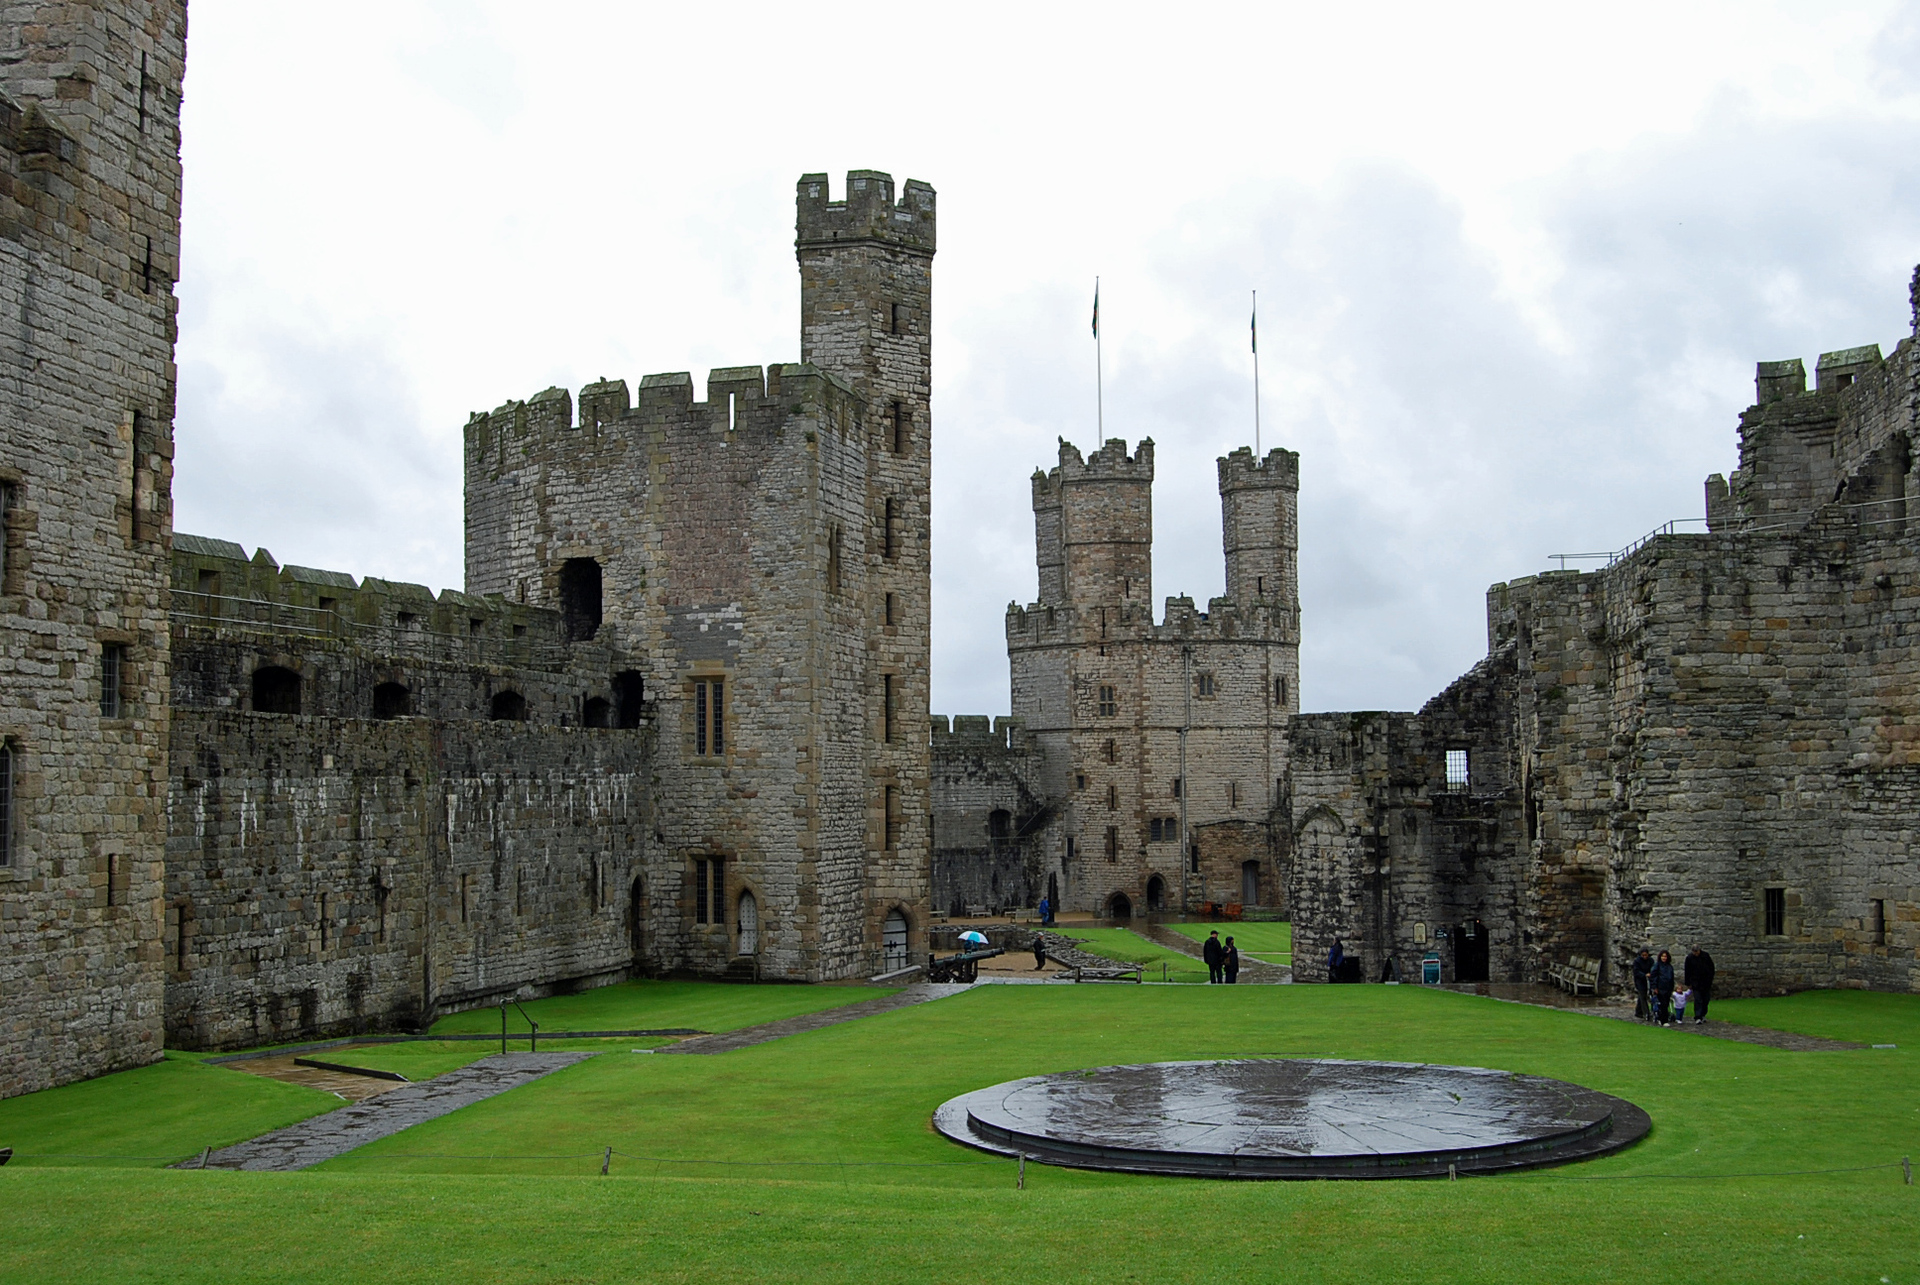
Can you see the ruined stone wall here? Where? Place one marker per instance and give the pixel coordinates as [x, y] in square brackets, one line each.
[991, 817]
[89, 246]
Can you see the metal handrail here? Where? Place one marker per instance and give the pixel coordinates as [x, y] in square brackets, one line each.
[1791, 522]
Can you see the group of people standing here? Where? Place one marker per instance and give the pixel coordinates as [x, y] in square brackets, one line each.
[1662, 998]
[1223, 960]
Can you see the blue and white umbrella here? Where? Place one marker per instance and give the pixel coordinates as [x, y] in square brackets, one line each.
[973, 938]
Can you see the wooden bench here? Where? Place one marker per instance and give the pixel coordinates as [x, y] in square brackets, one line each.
[1580, 972]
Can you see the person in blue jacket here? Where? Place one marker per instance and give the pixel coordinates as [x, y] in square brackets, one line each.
[1661, 984]
[1335, 958]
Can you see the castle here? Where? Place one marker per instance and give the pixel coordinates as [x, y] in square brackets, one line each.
[674, 722]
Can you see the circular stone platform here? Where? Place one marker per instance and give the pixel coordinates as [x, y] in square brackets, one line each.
[1293, 1118]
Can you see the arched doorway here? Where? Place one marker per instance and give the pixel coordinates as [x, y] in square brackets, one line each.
[1119, 906]
[275, 690]
[1156, 893]
[1470, 952]
[1250, 883]
[749, 925]
[893, 942]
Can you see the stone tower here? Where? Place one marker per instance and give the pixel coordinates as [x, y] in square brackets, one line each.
[89, 243]
[1152, 734]
[762, 556]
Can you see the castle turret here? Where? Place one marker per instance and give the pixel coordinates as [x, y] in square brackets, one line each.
[1260, 525]
[1048, 555]
[1104, 508]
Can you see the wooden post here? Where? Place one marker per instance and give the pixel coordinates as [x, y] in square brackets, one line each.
[606, 1161]
[1021, 1184]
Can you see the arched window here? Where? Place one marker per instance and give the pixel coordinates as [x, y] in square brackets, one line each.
[275, 690]
[509, 706]
[999, 825]
[749, 925]
[629, 692]
[893, 942]
[596, 712]
[580, 598]
[1156, 893]
[392, 700]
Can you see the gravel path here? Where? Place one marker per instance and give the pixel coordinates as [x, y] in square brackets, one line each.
[337, 1132]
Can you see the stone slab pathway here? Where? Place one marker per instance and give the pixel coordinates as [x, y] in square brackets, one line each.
[337, 1132]
[748, 1036]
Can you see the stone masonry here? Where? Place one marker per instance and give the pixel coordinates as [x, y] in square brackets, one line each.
[89, 240]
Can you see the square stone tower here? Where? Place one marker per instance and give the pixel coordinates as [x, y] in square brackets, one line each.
[89, 243]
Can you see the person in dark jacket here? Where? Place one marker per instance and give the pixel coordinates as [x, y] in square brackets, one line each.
[1215, 954]
[1039, 952]
[1660, 982]
[1699, 977]
[1230, 962]
[1336, 960]
[1642, 971]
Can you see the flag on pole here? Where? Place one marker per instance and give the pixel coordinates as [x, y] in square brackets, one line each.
[1253, 327]
[1096, 307]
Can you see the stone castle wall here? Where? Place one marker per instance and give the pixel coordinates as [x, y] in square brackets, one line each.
[993, 817]
[89, 244]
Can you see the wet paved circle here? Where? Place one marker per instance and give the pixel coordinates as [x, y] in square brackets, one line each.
[1293, 1118]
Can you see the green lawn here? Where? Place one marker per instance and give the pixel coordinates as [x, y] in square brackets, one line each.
[152, 1116]
[1129, 947]
[1272, 942]
[811, 1158]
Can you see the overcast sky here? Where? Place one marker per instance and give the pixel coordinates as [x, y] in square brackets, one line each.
[1515, 263]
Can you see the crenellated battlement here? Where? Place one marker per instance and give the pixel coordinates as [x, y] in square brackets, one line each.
[869, 212]
[1110, 461]
[979, 731]
[1039, 626]
[1280, 469]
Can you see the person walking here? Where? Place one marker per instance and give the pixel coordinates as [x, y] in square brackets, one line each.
[1336, 960]
[1039, 952]
[1046, 912]
[1642, 973]
[1660, 982]
[1230, 962]
[1699, 977]
[1215, 954]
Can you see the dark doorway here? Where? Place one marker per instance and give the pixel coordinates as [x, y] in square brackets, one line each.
[275, 690]
[508, 706]
[1250, 883]
[580, 598]
[1470, 952]
[1156, 893]
[893, 942]
[596, 712]
[1120, 907]
[999, 823]
[629, 693]
[392, 700]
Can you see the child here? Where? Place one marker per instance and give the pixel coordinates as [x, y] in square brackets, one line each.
[1680, 998]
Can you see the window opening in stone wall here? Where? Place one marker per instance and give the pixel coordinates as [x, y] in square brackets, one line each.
[9, 496]
[380, 892]
[392, 700]
[113, 673]
[6, 803]
[466, 898]
[833, 559]
[476, 626]
[629, 698]
[1177, 787]
[897, 429]
[519, 892]
[1113, 796]
[1113, 843]
[508, 707]
[519, 631]
[326, 921]
[890, 535]
[146, 264]
[182, 920]
[1203, 685]
[1280, 691]
[1842, 381]
[141, 99]
[596, 711]
[1108, 705]
[1457, 771]
[893, 609]
[275, 690]
[749, 923]
[899, 319]
[119, 878]
[408, 621]
[1193, 859]
[892, 818]
[580, 598]
[1111, 751]
[709, 717]
[1877, 921]
[1233, 794]
[700, 890]
[999, 823]
[1776, 912]
[888, 690]
[1259, 586]
[733, 411]
[1070, 848]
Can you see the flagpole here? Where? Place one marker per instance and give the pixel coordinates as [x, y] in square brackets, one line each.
[1099, 369]
[1254, 326]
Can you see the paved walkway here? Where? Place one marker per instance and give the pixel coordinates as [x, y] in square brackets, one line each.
[1620, 1009]
[748, 1036]
[1255, 971]
[337, 1132]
